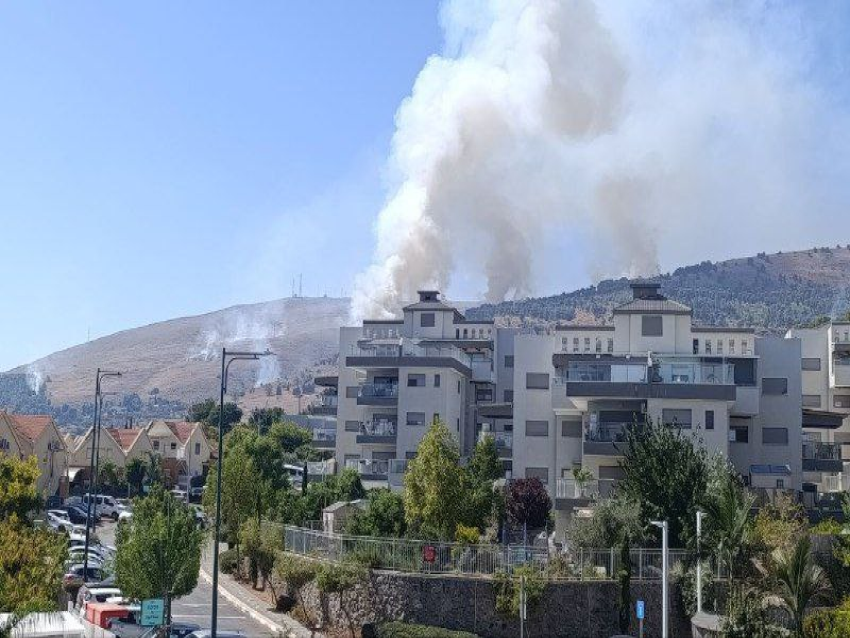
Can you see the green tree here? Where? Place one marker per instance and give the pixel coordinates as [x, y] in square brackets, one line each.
[154, 472]
[435, 485]
[612, 520]
[159, 549]
[485, 466]
[384, 516]
[262, 419]
[206, 412]
[18, 493]
[800, 581]
[135, 472]
[729, 521]
[31, 566]
[110, 475]
[333, 578]
[240, 491]
[667, 473]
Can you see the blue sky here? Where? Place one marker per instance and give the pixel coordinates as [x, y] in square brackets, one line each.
[152, 152]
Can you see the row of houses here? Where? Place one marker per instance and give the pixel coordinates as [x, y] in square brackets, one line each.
[560, 401]
[64, 460]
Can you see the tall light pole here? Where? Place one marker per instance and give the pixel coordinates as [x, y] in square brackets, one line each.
[95, 457]
[663, 526]
[226, 359]
[699, 561]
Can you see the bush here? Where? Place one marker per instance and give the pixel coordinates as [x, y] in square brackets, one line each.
[507, 589]
[404, 630]
[228, 561]
[333, 578]
[828, 623]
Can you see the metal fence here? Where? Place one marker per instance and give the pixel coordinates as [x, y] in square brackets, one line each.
[432, 557]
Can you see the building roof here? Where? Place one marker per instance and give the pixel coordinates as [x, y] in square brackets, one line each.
[181, 429]
[657, 306]
[125, 437]
[567, 327]
[30, 426]
[723, 329]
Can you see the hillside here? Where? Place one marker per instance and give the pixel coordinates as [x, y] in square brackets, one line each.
[771, 292]
[178, 360]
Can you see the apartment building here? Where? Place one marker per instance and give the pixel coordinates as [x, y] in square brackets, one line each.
[397, 376]
[825, 367]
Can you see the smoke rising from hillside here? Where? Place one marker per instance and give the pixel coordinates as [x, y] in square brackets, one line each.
[635, 128]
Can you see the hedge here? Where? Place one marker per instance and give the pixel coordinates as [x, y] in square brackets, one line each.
[404, 630]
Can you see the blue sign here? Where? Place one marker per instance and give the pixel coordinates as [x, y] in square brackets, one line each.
[153, 610]
[640, 609]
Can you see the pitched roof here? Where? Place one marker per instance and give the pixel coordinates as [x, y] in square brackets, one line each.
[181, 429]
[124, 437]
[667, 306]
[30, 426]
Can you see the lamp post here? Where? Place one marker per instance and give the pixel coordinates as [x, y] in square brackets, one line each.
[663, 526]
[95, 459]
[700, 516]
[226, 359]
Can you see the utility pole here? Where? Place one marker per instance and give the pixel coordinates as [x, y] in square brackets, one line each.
[699, 562]
[523, 609]
[664, 527]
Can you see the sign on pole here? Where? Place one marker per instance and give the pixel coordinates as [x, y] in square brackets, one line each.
[640, 609]
[153, 612]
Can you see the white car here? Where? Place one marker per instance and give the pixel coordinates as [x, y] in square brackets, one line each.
[105, 506]
[125, 516]
[58, 523]
[98, 595]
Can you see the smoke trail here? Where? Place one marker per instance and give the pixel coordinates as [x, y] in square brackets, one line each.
[636, 127]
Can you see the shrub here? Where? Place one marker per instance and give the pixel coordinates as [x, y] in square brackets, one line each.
[336, 578]
[827, 527]
[828, 623]
[404, 630]
[228, 561]
[507, 588]
[528, 503]
[296, 572]
[466, 535]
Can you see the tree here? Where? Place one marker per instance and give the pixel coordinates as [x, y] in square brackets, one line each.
[729, 521]
[485, 466]
[779, 525]
[667, 473]
[332, 578]
[295, 572]
[110, 475]
[800, 581]
[483, 470]
[154, 472]
[240, 489]
[624, 576]
[383, 517]
[612, 520]
[135, 471]
[261, 419]
[289, 437]
[31, 566]
[159, 549]
[206, 412]
[435, 485]
[18, 493]
[528, 503]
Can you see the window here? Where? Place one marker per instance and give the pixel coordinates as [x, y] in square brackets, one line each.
[537, 381]
[427, 320]
[811, 400]
[575, 344]
[571, 428]
[352, 391]
[652, 326]
[841, 401]
[415, 418]
[587, 344]
[537, 428]
[774, 386]
[696, 346]
[610, 345]
[156, 445]
[457, 333]
[731, 346]
[173, 446]
[351, 457]
[436, 380]
[676, 417]
[541, 473]
[436, 417]
[709, 419]
[4, 444]
[708, 346]
[780, 484]
[458, 386]
[415, 380]
[197, 449]
[739, 434]
[509, 396]
[720, 346]
[745, 348]
[811, 363]
[598, 345]
[774, 436]
[352, 426]
[509, 361]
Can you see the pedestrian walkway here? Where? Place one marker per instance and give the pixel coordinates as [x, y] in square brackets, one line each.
[241, 597]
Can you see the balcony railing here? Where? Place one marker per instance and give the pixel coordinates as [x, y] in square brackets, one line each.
[324, 436]
[378, 391]
[822, 451]
[329, 400]
[368, 467]
[697, 373]
[378, 428]
[410, 348]
[836, 482]
[569, 488]
[398, 466]
[711, 373]
[606, 432]
[504, 440]
[320, 468]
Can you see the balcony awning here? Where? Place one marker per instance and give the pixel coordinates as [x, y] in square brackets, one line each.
[821, 419]
[775, 470]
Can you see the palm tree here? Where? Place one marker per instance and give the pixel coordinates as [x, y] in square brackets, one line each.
[730, 520]
[799, 581]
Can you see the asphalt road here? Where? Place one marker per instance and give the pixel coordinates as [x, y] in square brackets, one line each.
[197, 606]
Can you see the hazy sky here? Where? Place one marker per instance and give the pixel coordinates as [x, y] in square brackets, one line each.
[161, 159]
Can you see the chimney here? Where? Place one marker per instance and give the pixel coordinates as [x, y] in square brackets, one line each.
[646, 290]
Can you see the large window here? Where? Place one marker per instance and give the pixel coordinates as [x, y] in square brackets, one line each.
[541, 473]
[415, 418]
[811, 401]
[739, 434]
[508, 396]
[427, 320]
[509, 361]
[537, 381]
[709, 419]
[537, 428]
[811, 364]
[774, 386]
[774, 436]
[415, 380]
[352, 426]
[841, 401]
[652, 325]
[436, 380]
[571, 428]
[676, 417]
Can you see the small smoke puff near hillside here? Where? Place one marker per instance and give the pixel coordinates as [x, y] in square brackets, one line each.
[181, 357]
[641, 127]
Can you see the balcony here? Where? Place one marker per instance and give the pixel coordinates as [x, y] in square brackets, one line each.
[369, 469]
[378, 394]
[841, 371]
[571, 493]
[328, 404]
[377, 432]
[397, 468]
[605, 439]
[836, 483]
[504, 442]
[320, 469]
[408, 352]
[324, 439]
[822, 457]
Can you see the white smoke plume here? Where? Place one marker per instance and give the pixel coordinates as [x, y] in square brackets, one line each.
[640, 128]
[35, 379]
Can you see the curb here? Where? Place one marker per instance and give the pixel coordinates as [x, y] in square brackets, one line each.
[274, 627]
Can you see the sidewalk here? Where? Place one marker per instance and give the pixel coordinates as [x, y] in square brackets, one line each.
[252, 605]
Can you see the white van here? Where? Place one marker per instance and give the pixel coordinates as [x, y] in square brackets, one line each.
[105, 505]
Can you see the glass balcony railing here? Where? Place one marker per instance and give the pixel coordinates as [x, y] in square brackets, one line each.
[410, 348]
[606, 432]
[398, 466]
[504, 440]
[368, 466]
[379, 428]
[378, 391]
[329, 400]
[822, 451]
[697, 373]
[569, 488]
[327, 436]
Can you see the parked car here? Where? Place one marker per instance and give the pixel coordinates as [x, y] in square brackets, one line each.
[77, 515]
[125, 516]
[104, 506]
[75, 575]
[206, 633]
[196, 492]
[59, 513]
[178, 630]
[127, 627]
[179, 493]
[83, 591]
[95, 594]
[59, 524]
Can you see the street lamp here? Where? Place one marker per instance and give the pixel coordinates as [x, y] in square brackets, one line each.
[95, 458]
[700, 516]
[662, 525]
[226, 359]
